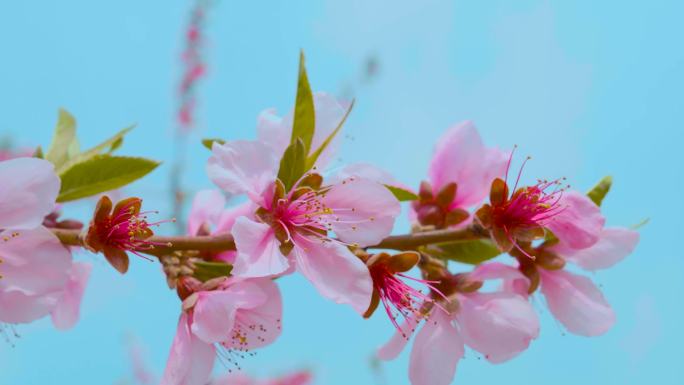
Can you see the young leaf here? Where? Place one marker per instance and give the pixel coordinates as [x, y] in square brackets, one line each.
[401, 194]
[102, 173]
[108, 145]
[598, 192]
[205, 271]
[64, 136]
[471, 252]
[209, 143]
[304, 122]
[292, 165]
[38, 153]
[641, 224]
[311, 160]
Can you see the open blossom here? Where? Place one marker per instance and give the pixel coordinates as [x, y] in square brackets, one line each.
[574, 300]
[391, 288]
[524, 214]
[460, 173]
[292, 228]
[115, 231]
[225, 317]
[37, 274]
[298, 378]
[500, 325]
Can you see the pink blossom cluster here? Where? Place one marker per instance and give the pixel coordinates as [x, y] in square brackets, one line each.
[325, 225]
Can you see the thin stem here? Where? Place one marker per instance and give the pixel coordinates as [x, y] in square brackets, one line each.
[225, 242]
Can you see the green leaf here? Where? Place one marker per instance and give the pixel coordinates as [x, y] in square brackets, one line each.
[209, 143]
[38, 153]
[108, 146]
[304, 122]
[205, 271]
[102, 173]
[62, 140]
[641, 224]
[292, 165]
[598, 192]
[401, 194]
[471, 252]
[311, 160]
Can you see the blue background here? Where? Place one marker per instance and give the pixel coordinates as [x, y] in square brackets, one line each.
[587, 88]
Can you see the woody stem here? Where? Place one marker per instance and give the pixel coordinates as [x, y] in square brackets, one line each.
[225, 242]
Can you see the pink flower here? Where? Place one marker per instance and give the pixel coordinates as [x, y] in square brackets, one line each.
[298, 378]
[573, 300]
[499, 325]
[460, 173]
[37, 275]
[526, 213]
[291, 229]
[229, 317]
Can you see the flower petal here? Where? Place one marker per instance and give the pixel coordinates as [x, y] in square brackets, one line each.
[577, 303]
[18, 307]
[242, 167]
[461, 157]
[68, 309]
[336, 273]
[612, 247]
[206, 209]
[276, 132]
[499, 325]
[190, 360]
[27, 193]
[258, 250]
[34, 261]
[260, 325]
[396, 344]
[230, 215]
[363, 211]
[366, 171]
[579, 224]
[436, 351]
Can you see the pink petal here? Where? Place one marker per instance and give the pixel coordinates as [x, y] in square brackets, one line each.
[214, 316]
[366, 171]
[396, 344]
[206, 209]
[579, 224]
[28, 191]
[363, 211]
[271, 130]
[495, 270]
[498, 325]
[277, 132]
[513, 281]
[576, 302]
[19, 307]
[230, 215]
[612, 247]
[436, 351]
[258, 250]
[190, 360]
[242, 167]
[336, 273]
[34, 261]
[259, 325]
[461, 157]
[68, 309]
[300, 378]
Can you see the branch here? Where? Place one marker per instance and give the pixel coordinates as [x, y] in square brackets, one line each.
[225, 242]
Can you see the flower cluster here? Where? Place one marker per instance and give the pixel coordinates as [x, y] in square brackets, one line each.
[299, 217]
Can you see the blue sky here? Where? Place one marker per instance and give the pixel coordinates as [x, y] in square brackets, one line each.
[587, 88]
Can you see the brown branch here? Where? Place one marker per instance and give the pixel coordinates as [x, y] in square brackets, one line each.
[225, 242]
